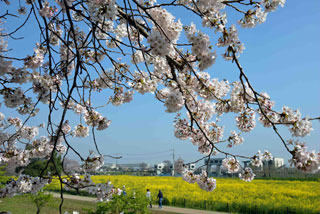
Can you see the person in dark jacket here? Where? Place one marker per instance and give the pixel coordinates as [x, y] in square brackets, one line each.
[160, 196]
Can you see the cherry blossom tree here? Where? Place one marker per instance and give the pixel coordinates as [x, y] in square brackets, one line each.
[85, 48]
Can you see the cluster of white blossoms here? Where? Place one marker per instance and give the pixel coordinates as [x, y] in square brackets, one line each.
[299, 127]
[203, 181]
[24, 184]
[102, 9]
[28, 132]
[139, 56]
[12, 97]
[101, 33]
[272, 5]
[204, 137]
[239, 96]
[230, 40]
[266, 155]
[103, 191]
[201, 110]
[232, 164]
[47, 10]
[253, 17]
[308, 161]
[37, 59]
[200, 47]
[143, 84]
[174, 101]
[259, 13]
[210, 11]
[38, 148]
[75, 181]
[121, 97]
[95, 119]
[246, 121]
[12, 74]
[43, 85]
[66, 58]
[159, 45]
[91, 118]
[235, 139]
[92, 163]
[247, 175]
[166, 23]
[81, 131]
[165, 32]
[182, 129]
[200, 139]
[214, 90]
[268, 116]
[257, 160]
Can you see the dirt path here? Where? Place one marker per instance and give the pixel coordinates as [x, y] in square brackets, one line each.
[164, 209]
[74, 197]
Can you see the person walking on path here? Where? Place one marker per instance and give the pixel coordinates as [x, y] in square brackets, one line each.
[160, 196]
[148, 195]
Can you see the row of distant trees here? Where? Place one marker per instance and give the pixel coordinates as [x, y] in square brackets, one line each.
[37, 165]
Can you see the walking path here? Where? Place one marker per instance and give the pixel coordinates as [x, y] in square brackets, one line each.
[164, 208]
[75, 197]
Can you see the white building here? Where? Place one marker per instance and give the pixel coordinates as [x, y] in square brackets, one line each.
[159, 166]
[191, 167]
[274, 163]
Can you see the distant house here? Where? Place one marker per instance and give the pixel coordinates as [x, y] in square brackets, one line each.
[215, 166]
[159, 167]
[191, 166]
[216, 169]
[275, 163]
[110, 166]
[213, 161]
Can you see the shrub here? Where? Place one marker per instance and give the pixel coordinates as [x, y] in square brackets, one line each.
[40, 199]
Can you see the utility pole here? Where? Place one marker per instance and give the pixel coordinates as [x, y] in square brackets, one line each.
[116, 162]
[173, 162]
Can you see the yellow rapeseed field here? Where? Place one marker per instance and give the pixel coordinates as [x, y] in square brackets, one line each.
[233, 195]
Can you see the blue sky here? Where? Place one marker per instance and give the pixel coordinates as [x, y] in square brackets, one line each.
[281, 58]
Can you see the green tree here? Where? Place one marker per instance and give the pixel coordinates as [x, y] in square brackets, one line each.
[36, 166]
[2, 170]
[40, 199]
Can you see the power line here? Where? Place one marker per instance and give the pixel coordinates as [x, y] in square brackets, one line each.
[168, 156]
[144, 154]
